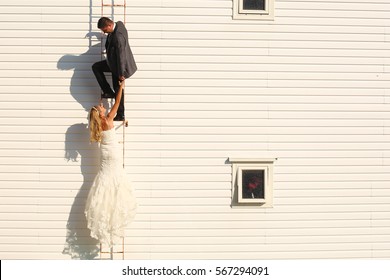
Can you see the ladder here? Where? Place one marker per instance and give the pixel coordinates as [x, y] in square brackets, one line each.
[112, 252]
[125, 122]
[112, 5]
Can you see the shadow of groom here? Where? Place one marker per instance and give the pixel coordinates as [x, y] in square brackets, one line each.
[83, 85]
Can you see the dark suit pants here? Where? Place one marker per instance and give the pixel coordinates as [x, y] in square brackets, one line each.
[99, 68]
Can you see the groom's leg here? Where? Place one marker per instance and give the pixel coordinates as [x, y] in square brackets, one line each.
[98, 69]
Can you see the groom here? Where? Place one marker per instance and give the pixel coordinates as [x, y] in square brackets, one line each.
[120, 61]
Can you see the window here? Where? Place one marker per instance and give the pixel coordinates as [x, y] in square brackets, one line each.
[253, 9]
[252, 182]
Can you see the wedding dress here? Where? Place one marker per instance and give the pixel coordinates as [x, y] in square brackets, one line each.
[111, 204]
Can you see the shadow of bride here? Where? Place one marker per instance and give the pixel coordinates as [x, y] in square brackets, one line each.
[80, 245]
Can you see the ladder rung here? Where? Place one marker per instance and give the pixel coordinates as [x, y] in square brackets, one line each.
[111, 252]
[114, 5]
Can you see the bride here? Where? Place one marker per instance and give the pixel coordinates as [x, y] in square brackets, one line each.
[111, 204]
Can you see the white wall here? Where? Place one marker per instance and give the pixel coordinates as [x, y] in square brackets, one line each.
[310, 88]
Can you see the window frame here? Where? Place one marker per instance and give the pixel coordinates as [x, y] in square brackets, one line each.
[240, 164]
[240, 13]
[240, 170]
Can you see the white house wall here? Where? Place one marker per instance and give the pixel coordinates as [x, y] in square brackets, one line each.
[310, 88]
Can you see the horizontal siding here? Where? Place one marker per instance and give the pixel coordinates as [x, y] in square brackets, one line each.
[310, 88]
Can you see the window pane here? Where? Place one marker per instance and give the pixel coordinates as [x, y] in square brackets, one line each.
[253, 184]
[254, 4]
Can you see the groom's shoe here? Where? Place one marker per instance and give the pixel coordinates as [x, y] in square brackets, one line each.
[119, 118]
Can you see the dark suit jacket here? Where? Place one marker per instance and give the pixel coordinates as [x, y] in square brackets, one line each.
[119, 56]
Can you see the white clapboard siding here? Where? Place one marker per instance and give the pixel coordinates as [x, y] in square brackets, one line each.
[310, 88]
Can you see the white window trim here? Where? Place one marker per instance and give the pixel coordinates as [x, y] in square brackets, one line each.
[240, 164]
[240, 13]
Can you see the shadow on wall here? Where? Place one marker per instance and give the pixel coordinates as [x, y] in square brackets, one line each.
[85, 90]
[83, 85]
[80, 245]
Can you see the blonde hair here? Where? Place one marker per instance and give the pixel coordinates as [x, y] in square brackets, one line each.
[95, 125]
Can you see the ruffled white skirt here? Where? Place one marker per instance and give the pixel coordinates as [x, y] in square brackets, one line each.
[111, 204]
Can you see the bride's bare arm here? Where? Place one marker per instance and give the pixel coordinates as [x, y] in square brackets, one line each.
[114, 109]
